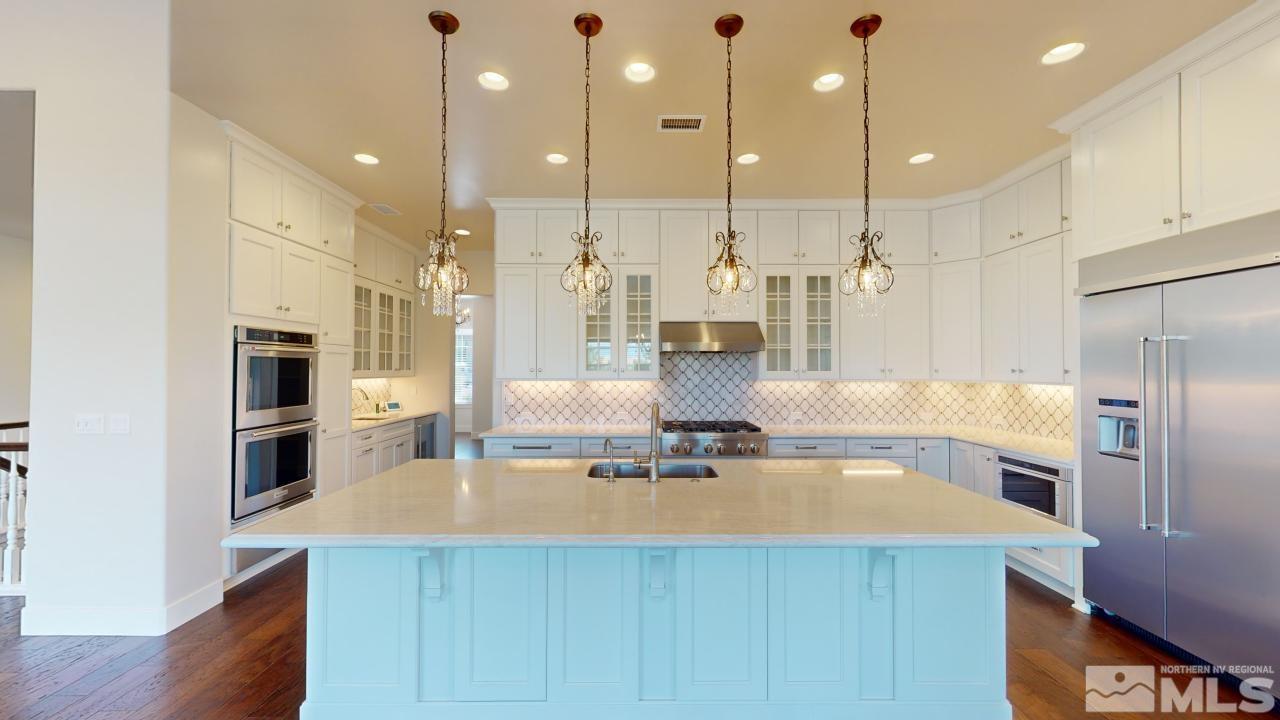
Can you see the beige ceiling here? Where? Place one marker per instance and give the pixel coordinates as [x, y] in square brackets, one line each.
[322, 79]
[17, 123]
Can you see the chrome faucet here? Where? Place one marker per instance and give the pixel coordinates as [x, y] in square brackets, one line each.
[608, 447]
[655, 446]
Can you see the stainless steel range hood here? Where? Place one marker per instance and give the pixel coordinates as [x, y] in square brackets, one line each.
[711, 337]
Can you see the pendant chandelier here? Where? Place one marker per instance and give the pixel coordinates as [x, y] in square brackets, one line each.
[868, 277]
[586, 276]
[461, 315]
[729, 277]
[441, 276]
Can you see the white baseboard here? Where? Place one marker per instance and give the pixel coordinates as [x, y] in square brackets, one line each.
[118, 620]
[13, 590]
[259, 568]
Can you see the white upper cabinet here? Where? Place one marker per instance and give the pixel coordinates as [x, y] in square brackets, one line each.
[336, 308]
[1065, 174]
[862, 341]
[778, 237]
[1001, 328]
[516, 325]
[256, 184]
[301, 204]
[956, 320]
[955, 232]
[300, 283]
[621, 341]
[1132, 186]
[395, 266]
[906, 237]
[684, 265]
[744, 308]
[255, 272]
[366, 264]
[361, 329]
[818, 233]
[1022, 313]
[555, 236]
[638, 236]
[1000, 222]
[799, 315]
[906, 320]
[337, 227]
[1041, 204]
[557, 328]
[604, 222]
[1230, 139]
[1070, 312]
[516, 236]
[851, 227]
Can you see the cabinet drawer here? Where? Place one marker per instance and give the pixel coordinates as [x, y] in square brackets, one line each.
[806, 447]
[531, 447]
[623, 447]
[364, 437]
[386, 432]
[1055, 562]
[896, 448]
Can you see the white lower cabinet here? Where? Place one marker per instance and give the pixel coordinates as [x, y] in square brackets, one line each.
[986, 479]
[1055, 562]
[962, 465]
[394, 452]
[956, 320]
[533, 447]
[364, 463]
[807, 447]
[933, 457]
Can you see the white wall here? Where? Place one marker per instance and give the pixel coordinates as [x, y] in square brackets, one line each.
[482, 321]
[15, 328]
[199, 413]
[97, 544]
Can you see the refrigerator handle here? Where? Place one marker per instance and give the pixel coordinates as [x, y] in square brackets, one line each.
[1168, 530]
[1143, 523]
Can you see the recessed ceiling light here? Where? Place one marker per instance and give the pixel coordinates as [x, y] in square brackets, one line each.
[462, 231]
[828, 82]
[920, 159]
[490, 80]
[748, 159]
[1062, 53]
[365, 158]
[557, 159]
[638, 72]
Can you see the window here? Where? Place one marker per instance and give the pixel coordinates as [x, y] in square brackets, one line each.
[463, 366]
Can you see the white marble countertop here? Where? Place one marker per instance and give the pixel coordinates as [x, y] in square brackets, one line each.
[389, 419]
[760, 503]
[1062, 451]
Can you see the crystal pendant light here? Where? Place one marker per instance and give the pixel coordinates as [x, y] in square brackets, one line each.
[586, 276]
[461, 315]
[868, 277]
[441, 276]
[730, 277]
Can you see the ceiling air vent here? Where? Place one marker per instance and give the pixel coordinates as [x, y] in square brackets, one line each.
[680, 123]
[384, 209]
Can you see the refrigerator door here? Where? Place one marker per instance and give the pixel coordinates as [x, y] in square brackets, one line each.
[1224, 480]
[1125, 573]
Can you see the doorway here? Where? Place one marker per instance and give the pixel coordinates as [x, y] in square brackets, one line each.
[472, 374]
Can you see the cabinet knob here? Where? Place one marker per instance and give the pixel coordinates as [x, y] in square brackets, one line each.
[530, 253]
[280, 224]
[1065, 218]
[279, 307]
[1186, 215]
[1167, 221]
[326, 242]
[398, 281]
[539, 253]
[935, 254]
[624, 253]
[288, 227]
[287, 308]
[795, 254]
[804, 254]
[936, 370]
[1019, 233]
[1012, 236]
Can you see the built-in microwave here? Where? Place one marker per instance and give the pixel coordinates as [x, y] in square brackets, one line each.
[1042, 489]
[273, 466]
[276, 377]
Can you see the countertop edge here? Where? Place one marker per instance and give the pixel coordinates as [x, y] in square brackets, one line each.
[292, 541]
[402, 417]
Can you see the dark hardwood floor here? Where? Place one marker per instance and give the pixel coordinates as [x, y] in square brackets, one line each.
[244, 660]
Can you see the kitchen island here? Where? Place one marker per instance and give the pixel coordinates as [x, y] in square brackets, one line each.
[779, 589]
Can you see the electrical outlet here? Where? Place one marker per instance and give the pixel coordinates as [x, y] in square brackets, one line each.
[118, 424]
[89, 424]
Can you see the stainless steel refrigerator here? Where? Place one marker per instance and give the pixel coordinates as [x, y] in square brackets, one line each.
[1181, 475]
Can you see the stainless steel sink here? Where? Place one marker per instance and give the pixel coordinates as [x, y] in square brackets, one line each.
[624, 470]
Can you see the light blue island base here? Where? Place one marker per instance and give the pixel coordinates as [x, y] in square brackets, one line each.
[732, 633]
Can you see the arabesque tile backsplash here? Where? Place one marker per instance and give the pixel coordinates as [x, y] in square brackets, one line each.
[706, 386]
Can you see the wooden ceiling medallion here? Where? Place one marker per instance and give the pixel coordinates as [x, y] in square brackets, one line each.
[728, 26]
[865, 26]
[444, 23]
[588, 24]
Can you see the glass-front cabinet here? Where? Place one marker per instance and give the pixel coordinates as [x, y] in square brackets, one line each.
[798, 316]
[382, 342]
[621, 341]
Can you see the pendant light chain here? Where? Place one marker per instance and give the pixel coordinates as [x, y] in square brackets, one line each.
[444, 125]
[730, 277]
[586, 148]
[728, 124]
[586, 276]
[866, 139]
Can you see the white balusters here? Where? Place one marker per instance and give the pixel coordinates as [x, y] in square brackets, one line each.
[13, 509]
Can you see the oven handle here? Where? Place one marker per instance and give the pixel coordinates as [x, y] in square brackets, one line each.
[1032, 473]
[285, 428]
[279, 348]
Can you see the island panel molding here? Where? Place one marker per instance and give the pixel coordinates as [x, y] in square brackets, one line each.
[709, 386]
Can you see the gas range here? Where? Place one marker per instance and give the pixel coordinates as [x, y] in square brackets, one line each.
[713, 437]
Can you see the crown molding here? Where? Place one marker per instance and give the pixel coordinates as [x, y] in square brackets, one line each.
[244, 137]
[1243, 22]
[365, 225]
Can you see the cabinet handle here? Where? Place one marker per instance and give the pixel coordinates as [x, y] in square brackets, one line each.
[280, 224]
[806, 447]
[804, 254]
[1186, 215]
[1012, 236]
[366, 451]
[935, 254]
[530, 447]
[398, 281]
[624, 253]
[883, 447]
[530, 253]
[326, 242]
[324, 430]
[795, 254]
[1167, 221]
[539, 253]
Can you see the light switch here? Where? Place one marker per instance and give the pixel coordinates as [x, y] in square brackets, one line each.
[89, 424]
[118, 424]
